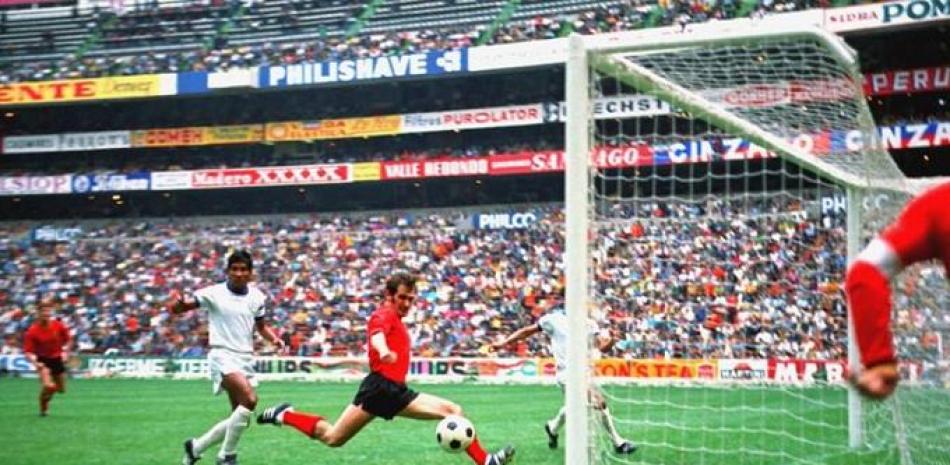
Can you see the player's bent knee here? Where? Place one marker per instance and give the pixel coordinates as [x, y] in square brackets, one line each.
[335, 441]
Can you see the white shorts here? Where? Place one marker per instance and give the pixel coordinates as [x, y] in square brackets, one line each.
[223, 362]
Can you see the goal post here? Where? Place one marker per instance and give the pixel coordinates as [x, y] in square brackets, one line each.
[577, 194]
[722, 232]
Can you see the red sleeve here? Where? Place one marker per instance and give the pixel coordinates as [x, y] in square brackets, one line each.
[911, 236]
[379, 322]
[28, 346]
[916, 235]
[869, 301]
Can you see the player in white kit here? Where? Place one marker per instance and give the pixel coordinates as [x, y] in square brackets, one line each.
[235, 311]
[554, 325]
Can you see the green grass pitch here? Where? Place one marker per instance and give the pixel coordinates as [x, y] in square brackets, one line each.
[143, 422]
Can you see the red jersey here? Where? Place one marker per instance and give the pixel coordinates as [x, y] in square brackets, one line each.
[386, 320]
[48, 341]
[921, 232]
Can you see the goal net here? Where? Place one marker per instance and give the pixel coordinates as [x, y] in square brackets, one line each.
[711, 232]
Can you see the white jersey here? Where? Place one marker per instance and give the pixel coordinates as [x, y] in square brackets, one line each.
[554, 324]
[231, 316]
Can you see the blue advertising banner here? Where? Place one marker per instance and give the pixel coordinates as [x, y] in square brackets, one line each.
[83, 183]
[504, 220]
[363, 69]
[193, 82]
[15, 363]
[52, 234]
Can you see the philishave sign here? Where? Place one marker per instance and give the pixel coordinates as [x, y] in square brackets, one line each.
[365, 69]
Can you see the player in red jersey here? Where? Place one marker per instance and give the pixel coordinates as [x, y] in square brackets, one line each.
[45, 346]
[383, 393]
[921, 232]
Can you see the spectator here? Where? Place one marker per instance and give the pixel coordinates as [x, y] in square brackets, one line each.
[478, 283]
[150, 26]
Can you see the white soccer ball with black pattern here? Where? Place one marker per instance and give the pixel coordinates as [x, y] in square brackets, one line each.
[455, 433]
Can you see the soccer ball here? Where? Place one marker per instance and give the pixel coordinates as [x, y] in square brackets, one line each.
[454, 433]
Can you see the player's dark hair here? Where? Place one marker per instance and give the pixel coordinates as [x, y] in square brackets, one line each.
[241, 256]
[400, 279]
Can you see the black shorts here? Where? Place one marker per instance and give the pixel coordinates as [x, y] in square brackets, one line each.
[383, 397]
[55, 365]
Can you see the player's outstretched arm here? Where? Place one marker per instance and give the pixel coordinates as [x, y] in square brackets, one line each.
[868, 289]
[267, 332]
[176, 304]
[520, 334]
[919, 233]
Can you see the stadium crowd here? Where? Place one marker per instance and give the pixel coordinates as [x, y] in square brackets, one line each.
[766, 285]
[146, 25]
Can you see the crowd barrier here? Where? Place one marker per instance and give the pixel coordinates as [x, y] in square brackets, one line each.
[533, 370]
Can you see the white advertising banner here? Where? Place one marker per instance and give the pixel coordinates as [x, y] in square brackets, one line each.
[624, 106]
[743, 369]
[171, 180]
[31, 144]
[879, 15]
[519, 55]
[104, 140]
[36, 185]
[476, 118]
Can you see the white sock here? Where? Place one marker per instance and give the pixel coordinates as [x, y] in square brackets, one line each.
[557, 422]
[239, 420]
[215, 434]
[608, 420]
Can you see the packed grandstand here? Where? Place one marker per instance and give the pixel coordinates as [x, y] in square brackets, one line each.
[67, 166]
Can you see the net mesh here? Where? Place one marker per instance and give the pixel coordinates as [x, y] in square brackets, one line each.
[720, 264]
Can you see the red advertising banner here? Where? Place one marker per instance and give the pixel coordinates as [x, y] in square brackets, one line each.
[271, 176]
[806, 371]
[907, 81]
[547, 161]
[832, 371]
[781, 93]
[526, 162]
